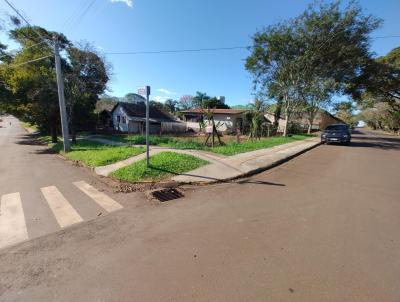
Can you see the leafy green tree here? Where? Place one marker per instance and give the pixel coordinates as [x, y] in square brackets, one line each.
[345, 111]
[214, 103]
[34, 85]
[133, 98]
[199, 98]
[86, 78]
[379, 80]
[171, 105]
[326, 43]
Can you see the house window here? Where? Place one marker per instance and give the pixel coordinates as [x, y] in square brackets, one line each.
[124, 119]
[118, 119]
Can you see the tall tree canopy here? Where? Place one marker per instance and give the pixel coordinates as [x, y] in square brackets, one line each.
[34, 85]
[303, 61]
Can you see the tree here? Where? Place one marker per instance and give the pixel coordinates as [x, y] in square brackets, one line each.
[185, 102]
[85, 79]
[325, 43]
[34, 85]
[171, 105]
[379, 79]
[199, 98]
[277, 65]
[317, 96]
[345, 111]
[133, 98]
[256, 118]
[214, 103]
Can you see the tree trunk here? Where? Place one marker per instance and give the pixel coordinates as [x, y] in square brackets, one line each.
[53, 131]
[73, 134]
[277, 116]
[285, 131]
[310, 121]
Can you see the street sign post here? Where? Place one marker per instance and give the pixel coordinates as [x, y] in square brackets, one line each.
[146, 91]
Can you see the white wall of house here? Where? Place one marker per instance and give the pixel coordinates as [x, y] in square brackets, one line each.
[227, 122]
[120, 119]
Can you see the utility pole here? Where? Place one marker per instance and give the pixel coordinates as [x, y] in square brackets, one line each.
[60, 86]
[146, 91]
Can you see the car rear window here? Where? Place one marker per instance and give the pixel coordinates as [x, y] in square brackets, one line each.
[337, 127]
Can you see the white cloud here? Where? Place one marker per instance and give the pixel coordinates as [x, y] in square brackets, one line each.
[127, 2]
[159, 98]
[166, 91]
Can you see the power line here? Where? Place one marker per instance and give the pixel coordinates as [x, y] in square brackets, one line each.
[176, 50]
[82, 15]
[23, 18]
[214, 49]
[31, 61]
[385, 37]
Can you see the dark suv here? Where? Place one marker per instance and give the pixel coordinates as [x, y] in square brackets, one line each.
[336, 133]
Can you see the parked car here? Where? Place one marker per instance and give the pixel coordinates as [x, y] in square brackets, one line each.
[336, 133]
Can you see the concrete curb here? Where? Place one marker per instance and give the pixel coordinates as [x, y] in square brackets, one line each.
[254, 171]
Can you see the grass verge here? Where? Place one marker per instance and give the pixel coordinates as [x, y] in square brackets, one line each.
[231, 147]
[162, 165]
[94, 154]
[247, 146]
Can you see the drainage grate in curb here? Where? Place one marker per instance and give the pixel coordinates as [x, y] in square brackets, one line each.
[166, 194]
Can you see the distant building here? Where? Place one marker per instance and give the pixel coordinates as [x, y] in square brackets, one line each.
[226, 119]
[322, 119]
[131, 118]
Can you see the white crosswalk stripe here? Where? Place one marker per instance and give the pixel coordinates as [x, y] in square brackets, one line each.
[63, 211]
[12, 220]
[102, 199]
[13, 225]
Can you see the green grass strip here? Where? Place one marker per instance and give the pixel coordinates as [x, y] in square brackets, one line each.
[162, 165]
[94, 154]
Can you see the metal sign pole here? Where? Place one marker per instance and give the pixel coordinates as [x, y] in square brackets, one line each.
[146, 91]
[147, 126]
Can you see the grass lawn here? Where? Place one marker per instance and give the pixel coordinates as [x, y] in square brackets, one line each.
[197, 143]
[94, 154]
[162, 165]
[235, 148]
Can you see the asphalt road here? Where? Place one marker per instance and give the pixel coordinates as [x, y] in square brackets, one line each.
[322, 227]
[42, 194]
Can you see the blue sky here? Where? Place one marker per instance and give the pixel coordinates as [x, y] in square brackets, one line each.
[150, 25]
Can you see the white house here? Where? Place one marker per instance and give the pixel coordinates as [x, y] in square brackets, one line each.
[131, 118]
[226, 119]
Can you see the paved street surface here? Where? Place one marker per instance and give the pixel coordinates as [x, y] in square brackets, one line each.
[322, 227]
[40, 193]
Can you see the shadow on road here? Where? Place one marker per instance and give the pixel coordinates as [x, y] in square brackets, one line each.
[260, 182]
[384, 143]
[32, 140]
[29, 140]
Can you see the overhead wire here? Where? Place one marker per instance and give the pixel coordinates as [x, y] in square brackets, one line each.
[23, 18]
[30, 61]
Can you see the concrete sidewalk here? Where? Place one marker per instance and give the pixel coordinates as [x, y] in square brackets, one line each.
[222, 168]
[107, 170]
[246, 163]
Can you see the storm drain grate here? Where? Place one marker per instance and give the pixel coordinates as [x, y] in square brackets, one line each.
[167, 194]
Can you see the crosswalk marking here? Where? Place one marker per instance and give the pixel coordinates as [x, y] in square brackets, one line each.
[12, 220]
[102, 199]
[62, 209]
